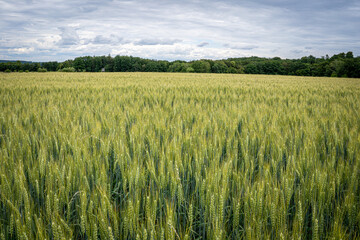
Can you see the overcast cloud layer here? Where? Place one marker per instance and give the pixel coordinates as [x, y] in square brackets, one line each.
[53, 30]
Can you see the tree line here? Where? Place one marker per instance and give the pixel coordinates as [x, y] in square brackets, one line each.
[339, 65]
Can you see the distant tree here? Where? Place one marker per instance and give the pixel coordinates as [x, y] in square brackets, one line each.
[152, 66]
[123, 64]
[337, 68]
[163, 66]
[251, 69]
[50, 66]
[351, 67]
[339, 65]
[34, 67]
[67, 69]
[97, 64]
[338, 56]
[89, 64]
[109, 67]
[79, 64]
[349, 55]
[67, 63]
[219, 67]
[310, 59]
[190, 70]
[201, 66]
[175, 67]
[232, 70]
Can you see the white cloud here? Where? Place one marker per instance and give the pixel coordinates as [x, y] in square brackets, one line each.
[68, 36]
[22, 50]
[177, 30]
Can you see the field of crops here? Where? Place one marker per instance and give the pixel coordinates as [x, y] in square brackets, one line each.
[178, 156]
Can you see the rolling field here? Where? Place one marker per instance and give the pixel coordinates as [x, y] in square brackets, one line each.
[178, 156]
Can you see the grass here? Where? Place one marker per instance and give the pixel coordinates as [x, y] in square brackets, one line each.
[178, 156]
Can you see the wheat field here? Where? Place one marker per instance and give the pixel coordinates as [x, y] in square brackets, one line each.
[178, 156]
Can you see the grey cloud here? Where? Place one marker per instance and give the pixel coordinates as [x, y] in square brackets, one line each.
[305, 4]
[144, 42]
[203, 44]
[240, 46]
[68, 36]
[297, 51]
[111, 40]
[87, 9]
[99, 39]
[87, 27]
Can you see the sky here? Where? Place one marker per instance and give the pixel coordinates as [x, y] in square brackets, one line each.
[54, 30]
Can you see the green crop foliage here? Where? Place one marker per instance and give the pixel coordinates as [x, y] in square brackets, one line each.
[178, 156]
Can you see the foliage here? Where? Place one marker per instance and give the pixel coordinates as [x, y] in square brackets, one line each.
[339, 65]
[178, 156]
[42, 70]
[190, 70]
[219, 67]
[201, 66]
[67, 69]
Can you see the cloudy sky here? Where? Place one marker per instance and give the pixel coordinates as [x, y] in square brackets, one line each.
[54, 30]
